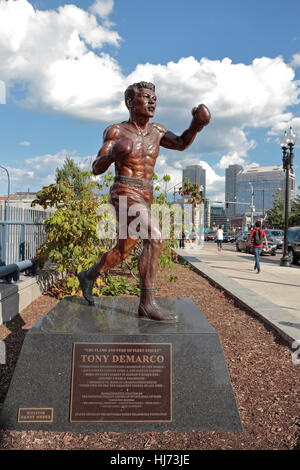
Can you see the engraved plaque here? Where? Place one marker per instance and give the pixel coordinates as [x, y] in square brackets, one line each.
[35, 415]
[121, 382]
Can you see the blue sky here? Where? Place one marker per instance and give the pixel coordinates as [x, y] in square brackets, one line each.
[65, 66]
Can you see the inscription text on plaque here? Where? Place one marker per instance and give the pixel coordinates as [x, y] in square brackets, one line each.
[35, 415]
[121, 382]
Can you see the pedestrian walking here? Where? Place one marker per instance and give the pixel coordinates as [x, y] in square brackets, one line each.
[192, 236]
[220, 237]
[182, 239]
[257, 236]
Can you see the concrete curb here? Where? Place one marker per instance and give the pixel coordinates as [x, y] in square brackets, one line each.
[16, 296]
[282, 321]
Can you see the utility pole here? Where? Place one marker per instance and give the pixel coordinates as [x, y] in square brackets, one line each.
[252, 206]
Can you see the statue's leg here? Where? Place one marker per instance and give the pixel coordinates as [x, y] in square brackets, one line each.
[148, 264]
[113, 257]
[108, 261]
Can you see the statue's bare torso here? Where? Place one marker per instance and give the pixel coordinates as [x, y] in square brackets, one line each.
[134, 145]
[145, 149]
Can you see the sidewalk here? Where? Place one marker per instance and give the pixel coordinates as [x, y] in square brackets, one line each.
[273, 295]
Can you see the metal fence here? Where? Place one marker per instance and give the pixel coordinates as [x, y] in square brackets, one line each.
[22, 232]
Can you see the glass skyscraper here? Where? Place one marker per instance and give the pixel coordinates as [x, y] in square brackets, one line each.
[230, 189]
[264, 182]
[218, 216]
[195, 174]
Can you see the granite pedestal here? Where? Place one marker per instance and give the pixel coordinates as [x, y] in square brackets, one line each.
[102, 369]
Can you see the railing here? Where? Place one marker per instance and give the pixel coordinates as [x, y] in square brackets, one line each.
[22, 232]
[12, 271]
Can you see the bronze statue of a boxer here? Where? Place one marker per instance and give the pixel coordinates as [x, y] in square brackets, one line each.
[133, 146]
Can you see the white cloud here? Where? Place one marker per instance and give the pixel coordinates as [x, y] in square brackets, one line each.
[40, 171]
[295, 62]
[232, 158]
[281, 127]
[25, 143]
[20, 179]
[2, 92]
[58, 56]
[215, 184]
[248, 95]
[55, 54]
[44, 166]
[102, 8]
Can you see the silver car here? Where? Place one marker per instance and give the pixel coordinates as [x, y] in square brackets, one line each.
[275, 236]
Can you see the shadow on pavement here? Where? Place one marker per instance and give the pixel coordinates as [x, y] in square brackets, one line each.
[287, 323]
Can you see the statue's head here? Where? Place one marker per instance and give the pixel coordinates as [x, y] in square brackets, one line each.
[141, 98]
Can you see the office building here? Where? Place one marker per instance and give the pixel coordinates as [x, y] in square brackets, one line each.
[230, 189]
[218, 216]
[195, 174]
[258, 186]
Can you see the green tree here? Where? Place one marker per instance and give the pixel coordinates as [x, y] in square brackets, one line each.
[72, 175]
[72, 242]
[193, 190]
[195, 194]
[275, 215]
[166, 179]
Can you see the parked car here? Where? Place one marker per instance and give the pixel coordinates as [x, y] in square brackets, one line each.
[272, 247]
[209, 236]
[242, 241]
[242, 244]
[275, 236]
[294, 244]
[237, 234]
[230, 237]
[227, 238]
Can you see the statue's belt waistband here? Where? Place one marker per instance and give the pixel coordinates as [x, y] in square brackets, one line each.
[139, 183]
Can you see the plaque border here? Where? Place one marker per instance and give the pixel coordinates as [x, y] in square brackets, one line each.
[35, 420]
[120, 420]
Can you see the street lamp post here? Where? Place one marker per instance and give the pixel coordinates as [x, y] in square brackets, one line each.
[5, 233]
[8, 188]
[287, 144]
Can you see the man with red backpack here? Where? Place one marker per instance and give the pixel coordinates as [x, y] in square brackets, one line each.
[258, 235]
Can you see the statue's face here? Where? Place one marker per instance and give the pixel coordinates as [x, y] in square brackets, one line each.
[143, 103]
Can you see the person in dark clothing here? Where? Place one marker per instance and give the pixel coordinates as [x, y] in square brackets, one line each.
[182, 240]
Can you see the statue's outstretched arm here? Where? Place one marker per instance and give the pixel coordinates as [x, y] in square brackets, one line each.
[201, 117]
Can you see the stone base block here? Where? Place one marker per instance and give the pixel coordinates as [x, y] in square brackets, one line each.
[102, 369]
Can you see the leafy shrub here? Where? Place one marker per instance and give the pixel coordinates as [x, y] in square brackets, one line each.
[72, 241]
